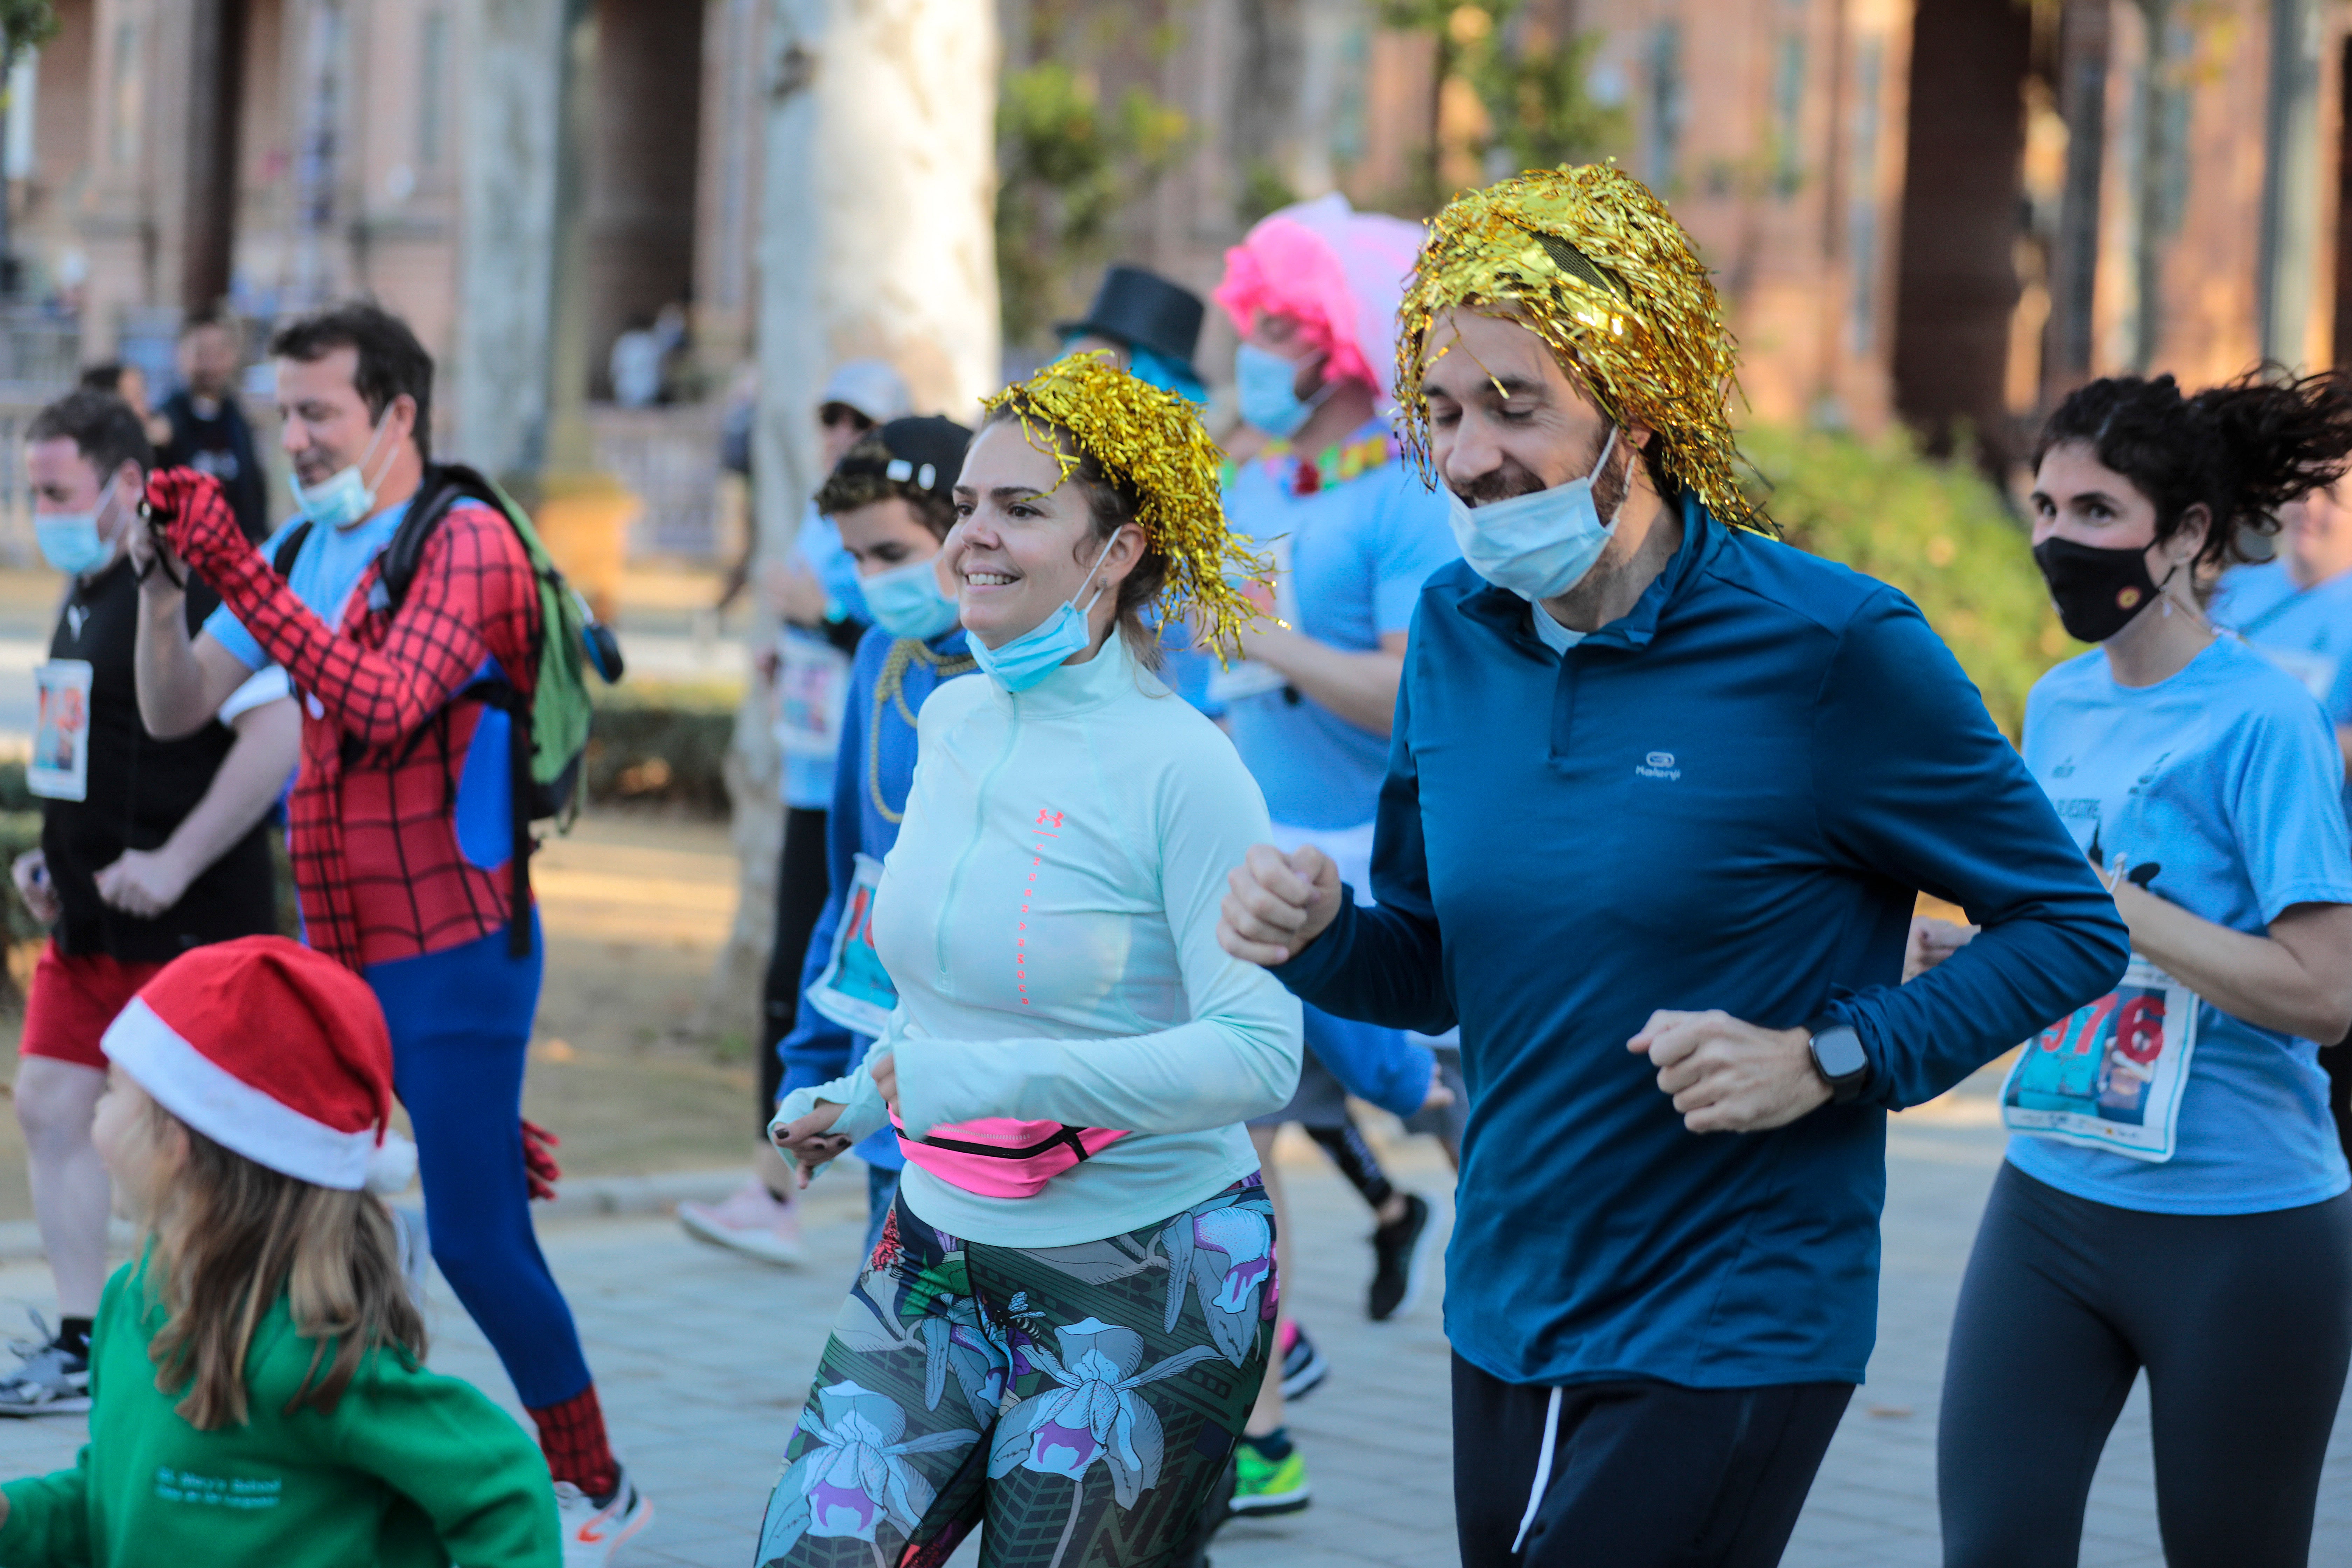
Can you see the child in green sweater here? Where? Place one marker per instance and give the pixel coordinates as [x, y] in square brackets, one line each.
[257, 1391]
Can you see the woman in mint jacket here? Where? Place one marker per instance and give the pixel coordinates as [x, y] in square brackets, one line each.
[1067, 1317]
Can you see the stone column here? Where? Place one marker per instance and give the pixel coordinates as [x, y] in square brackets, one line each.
[2292, 193]
[877, 238]
[513, 55]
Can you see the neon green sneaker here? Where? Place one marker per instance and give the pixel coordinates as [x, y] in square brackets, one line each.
[1264, 1486]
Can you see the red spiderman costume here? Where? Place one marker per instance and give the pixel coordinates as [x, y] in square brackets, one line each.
[386, 886]
[375, 843]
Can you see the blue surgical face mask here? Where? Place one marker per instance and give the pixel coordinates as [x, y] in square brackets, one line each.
[1538, 545]
[343, 497]
[1037, 653]
[1264, 383]
[70, 542]
[905, 601]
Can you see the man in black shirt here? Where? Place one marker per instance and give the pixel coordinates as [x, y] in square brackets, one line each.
[209, 432]
[148, 847]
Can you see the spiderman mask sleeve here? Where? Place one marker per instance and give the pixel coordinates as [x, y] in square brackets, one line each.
[474, 595]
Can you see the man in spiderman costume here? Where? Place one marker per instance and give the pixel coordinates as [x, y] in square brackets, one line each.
[400, 823]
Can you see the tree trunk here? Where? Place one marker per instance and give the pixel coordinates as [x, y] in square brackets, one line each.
[875, 240]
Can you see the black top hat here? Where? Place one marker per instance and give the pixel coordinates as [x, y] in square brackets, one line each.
[1143, 310]
[925, 452]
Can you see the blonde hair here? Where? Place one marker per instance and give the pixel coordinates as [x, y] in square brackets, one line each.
[230, 1238]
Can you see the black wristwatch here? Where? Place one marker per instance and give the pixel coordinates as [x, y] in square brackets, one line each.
[1838, 1056]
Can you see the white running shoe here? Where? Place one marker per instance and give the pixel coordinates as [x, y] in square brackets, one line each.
[592, 1531]
[750, 1221]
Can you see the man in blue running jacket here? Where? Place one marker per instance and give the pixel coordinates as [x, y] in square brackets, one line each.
[1661, 792]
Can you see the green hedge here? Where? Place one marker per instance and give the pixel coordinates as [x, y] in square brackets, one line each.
[662, 745]
[1937, 530]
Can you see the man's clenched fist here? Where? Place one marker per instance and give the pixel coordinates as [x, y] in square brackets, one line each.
[1275, 903]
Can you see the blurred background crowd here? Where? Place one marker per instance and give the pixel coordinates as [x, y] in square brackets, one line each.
[639, 234]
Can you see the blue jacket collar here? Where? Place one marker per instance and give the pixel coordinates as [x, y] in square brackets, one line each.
[1506, 612]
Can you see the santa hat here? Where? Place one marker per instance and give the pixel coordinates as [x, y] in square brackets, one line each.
[274, 1051]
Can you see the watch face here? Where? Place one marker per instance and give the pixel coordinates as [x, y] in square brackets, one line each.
[1838, 1054]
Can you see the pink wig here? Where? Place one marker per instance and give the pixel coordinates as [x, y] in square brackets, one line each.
[1339, 273]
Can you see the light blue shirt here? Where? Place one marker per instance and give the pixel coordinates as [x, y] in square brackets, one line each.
[808, 778]
[2308, 632]
[1358, 554]
[322, 576]
[2225, 776]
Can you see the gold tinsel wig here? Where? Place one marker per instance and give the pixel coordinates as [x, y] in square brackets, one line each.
[1153, 443]
[1593, 264]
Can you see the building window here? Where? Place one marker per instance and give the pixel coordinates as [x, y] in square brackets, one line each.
[1788, 115]
[122, 99]
[1862, 206]
[432, 95]
[1662, 127]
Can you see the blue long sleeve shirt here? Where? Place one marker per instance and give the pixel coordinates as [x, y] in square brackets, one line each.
[1724, 799]
[872, 775]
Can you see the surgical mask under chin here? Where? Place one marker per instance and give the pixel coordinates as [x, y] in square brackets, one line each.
[1538, 545]
[1026, 659]
[70, 542]
[343, 497]
[906, 602]
[1264, 383]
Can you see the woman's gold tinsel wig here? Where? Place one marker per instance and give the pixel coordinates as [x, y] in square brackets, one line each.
[1151, 442]
[1596, 267]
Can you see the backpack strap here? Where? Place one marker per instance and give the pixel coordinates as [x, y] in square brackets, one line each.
[443, 486]
[290, 547]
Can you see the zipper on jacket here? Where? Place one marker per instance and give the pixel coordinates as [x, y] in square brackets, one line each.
[971, 847]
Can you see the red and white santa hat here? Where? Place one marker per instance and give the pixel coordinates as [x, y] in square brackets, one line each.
[274, 1051]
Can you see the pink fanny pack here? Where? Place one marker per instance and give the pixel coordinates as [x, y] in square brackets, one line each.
[998, 1157]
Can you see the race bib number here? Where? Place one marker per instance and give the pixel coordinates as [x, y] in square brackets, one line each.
[855, 991]
[2109, 1074]
[812, 695]
[60, 767]
[1246, 677]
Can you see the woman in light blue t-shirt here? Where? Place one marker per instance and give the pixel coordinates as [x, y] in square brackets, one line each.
[2174, 1198]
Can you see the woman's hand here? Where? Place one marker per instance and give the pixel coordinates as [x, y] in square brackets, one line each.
[1932, 942]
[884, 1070]
[810, 1141]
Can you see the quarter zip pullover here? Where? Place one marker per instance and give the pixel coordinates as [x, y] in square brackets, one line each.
[1725, 799]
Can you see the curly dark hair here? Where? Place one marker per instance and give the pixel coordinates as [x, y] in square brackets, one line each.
[863, 487]
[2242, 451]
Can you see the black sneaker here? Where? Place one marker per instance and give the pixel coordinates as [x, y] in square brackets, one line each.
[51, 1380]
[1303, 1366]
[1397, 1260]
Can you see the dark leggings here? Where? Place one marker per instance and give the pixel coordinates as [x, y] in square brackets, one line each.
[1356, 1160]
[802, 884]
[2243, 1323]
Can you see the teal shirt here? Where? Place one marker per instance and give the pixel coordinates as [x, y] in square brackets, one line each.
[412, 1470]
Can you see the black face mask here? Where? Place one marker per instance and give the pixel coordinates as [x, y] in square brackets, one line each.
[2097, 591]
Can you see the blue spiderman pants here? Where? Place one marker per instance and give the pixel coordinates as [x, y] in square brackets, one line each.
[1130, 1363]
[461, 1021]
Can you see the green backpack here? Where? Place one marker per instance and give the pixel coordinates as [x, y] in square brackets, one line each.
[549, 732]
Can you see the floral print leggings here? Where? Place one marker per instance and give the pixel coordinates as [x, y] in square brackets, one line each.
[1079, 1400]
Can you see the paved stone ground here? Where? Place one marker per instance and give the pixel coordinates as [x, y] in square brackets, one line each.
[703, 1359]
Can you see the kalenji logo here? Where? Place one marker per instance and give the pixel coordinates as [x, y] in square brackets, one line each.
[1658, 765]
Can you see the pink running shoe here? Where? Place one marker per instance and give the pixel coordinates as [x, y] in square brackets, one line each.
[750, 1221]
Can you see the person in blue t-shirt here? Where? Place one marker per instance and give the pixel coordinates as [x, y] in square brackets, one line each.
[2174, 1199]
[813, 593]
[2296, 610]
[1312, 291]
